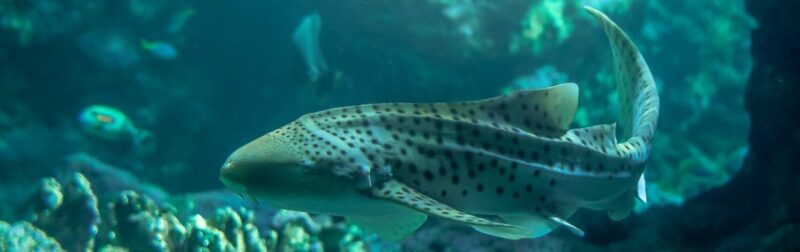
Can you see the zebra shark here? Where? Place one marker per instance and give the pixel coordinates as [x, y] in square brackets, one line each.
[508, 166]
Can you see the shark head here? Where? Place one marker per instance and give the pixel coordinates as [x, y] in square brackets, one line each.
[290, 173]
[269, 168]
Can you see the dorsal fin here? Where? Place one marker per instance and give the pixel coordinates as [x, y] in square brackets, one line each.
[548, 111]
[553, 107]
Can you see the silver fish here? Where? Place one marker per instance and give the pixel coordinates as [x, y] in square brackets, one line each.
[508, 166]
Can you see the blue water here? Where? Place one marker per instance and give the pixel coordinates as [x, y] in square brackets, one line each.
[236, 74]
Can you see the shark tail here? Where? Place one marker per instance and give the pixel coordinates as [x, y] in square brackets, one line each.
[638, 96]
[639, 105]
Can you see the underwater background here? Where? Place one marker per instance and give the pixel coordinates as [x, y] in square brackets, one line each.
[116, 116]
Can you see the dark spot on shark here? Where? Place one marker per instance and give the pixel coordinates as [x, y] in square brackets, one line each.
[468, 156]
[448, 154]
[454, 165]
[428, 175]
[412, 168]
[460, 140]
[521, 154]
[431, 154]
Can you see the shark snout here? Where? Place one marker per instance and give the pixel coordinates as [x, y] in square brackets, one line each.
[266, 164]
[233, 175]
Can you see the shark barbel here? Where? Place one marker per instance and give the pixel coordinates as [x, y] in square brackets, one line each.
[508, 166]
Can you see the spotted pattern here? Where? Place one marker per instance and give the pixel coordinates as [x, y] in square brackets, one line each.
[508, 153]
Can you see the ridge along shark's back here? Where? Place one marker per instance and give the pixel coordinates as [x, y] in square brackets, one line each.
[507, 166]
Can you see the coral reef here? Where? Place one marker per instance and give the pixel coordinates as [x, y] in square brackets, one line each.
[25, 237]
[110, 179]
[543, 27]
[67, 216]
[67, 212]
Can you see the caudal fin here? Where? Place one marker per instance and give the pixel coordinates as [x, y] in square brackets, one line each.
[638, 96]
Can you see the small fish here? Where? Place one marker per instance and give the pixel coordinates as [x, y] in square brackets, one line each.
[110, 124]
[179, 20]
[306, 40]
[160, 49]
[106, 122]
[387, 167]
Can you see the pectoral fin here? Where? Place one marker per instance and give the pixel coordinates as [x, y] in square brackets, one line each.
[403, 194]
